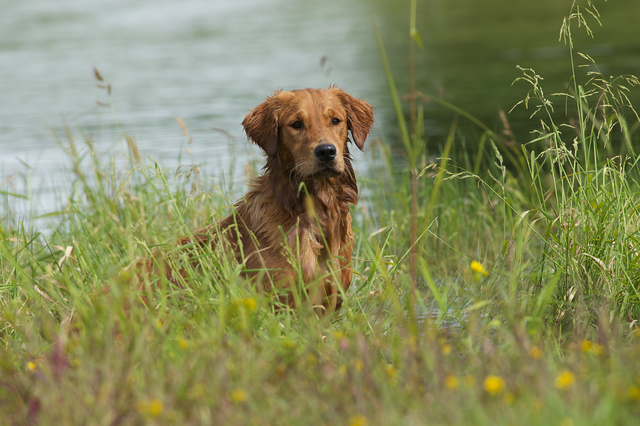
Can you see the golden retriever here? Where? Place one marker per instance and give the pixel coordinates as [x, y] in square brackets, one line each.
[292, 230]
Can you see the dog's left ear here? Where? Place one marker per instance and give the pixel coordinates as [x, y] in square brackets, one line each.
[359, 117]
[261, 126]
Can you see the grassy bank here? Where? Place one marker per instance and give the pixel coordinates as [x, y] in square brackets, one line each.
[519, 307]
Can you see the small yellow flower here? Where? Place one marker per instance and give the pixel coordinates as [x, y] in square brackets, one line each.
[478, 268]
[565, 379]
[250, 304]
[391, 371]
[633, 393]
[238, 396]
[451, 382]
[31, 366]
[446, 349]
[358, 421]
[594, 348]
[493, 384]
[536, 353]
[359, 365]
[247, 303]
[159, 323]
[155, 407]
[184, 344]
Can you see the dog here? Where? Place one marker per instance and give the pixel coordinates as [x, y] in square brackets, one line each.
[293, 228]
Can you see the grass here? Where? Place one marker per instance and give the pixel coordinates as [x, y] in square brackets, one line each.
[524, 310]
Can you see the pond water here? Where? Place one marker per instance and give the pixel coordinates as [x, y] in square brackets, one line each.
[209, 62]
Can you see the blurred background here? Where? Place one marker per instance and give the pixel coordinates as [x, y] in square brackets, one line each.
[209, 62]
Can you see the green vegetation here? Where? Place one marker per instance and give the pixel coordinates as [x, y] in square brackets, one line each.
[521, 306]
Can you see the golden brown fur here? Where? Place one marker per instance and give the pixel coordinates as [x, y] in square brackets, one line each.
[294, 225]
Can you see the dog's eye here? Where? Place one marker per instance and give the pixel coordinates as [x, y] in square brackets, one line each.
[335, 121]
[297, 125]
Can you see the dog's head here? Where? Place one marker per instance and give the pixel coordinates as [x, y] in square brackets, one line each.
[307, 130]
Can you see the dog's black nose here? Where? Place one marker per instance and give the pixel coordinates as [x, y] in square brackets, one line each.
[325, 152]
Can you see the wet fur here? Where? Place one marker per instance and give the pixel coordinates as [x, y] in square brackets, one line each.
[299, 207]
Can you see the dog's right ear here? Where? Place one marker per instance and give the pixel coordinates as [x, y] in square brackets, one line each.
[261, 126]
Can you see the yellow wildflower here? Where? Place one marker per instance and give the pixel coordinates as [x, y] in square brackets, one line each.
[594, 348]
[446, 349]
[478, 268]
[391, 370]
[238, 396]
[358, 421]
[565, 379]
[250, 304]
[155, 407]
[493, 384]
[535, 352]
[633, 393]
[184, 344]
[359, 365]
[451, 382]
[31, 366]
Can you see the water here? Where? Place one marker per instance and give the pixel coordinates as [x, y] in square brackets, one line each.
[209, 62]
[205, 62]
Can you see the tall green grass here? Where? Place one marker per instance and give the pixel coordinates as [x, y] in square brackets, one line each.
[522, 306]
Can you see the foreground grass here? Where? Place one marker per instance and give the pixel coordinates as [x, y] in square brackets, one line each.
[480, 348]
[520, 306]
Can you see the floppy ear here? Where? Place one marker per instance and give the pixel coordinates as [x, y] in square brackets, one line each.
[359, 117]
[261, 126]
